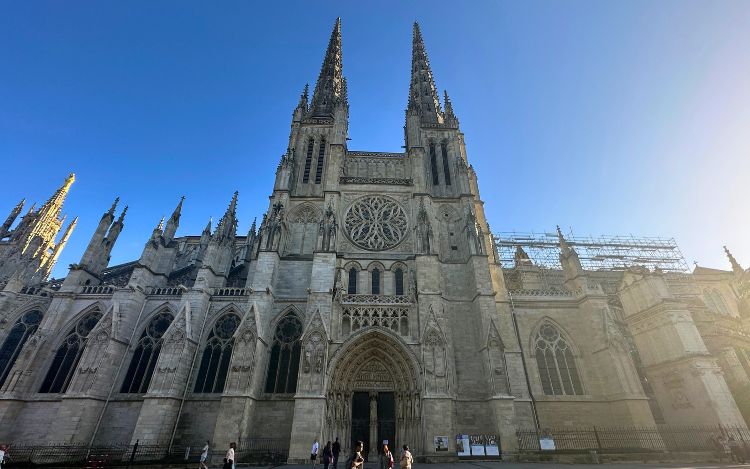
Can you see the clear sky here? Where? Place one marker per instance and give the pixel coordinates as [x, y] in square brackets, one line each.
[605, 117]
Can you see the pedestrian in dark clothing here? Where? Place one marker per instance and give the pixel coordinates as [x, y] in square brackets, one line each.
[336, 450]
[327, 455]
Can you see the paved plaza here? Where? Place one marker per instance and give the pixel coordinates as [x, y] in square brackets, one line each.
[533, 465]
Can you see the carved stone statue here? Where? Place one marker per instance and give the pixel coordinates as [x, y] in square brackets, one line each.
[423, 230]
[328, 229]
[274, 224]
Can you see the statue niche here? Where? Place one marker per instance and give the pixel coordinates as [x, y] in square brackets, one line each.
[303, 231]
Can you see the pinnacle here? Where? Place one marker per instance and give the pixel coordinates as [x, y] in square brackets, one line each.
[114, 206]
[328, 88]
[121, 218]
[423, 97]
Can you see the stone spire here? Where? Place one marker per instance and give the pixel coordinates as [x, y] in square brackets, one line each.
[450, 117]
[423, 96]
[304, 98]
[46, 269]
[173, 222]
[53, 207]
[11, 218]
[329, 90]
[736, 267]
[94, 250]
[227, 227]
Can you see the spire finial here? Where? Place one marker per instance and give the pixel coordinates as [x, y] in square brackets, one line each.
[114, 206]
[227, 226]
[160, 226]
[329, 87]
[736, 267]
[423, 96]
[121, 218]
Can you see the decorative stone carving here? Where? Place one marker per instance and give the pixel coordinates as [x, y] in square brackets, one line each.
[424, 230]
[376, 223]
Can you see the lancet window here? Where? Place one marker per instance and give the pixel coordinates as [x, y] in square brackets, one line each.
[283, 365]
[68, 354]
[321, 160]
[24, 327]
[398, 277]
[308, 161]
[212, 373]
[557, 366]
[352, 288]
[146, 354]
[433, 165]
[446, 168]
[715, 301]
[375, 277]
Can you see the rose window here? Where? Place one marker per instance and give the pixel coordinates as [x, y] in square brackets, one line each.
[375, 223]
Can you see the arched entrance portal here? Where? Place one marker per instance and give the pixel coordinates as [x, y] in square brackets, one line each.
[374, 393]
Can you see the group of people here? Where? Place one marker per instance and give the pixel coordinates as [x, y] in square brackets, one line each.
[331, 452]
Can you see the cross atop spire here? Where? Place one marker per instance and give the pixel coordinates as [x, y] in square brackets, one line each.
[329, 90]
[423, 95]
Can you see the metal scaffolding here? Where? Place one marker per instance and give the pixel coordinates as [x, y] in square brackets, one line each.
[595, 253]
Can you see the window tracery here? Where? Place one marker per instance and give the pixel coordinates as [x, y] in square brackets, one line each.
[283, 365]
[556, 363]
[375, 223]
[214, 367]
[146, 354]
[68, 354]
[24, 328]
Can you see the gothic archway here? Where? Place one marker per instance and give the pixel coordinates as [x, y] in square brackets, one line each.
[373, 368]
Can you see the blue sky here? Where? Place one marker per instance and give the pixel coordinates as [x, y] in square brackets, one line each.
[604, 117]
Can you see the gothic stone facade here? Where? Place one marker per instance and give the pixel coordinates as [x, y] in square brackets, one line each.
[368, 304]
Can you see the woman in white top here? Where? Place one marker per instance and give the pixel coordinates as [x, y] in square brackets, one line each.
[204, 456]
[314, 452]
[230, 454]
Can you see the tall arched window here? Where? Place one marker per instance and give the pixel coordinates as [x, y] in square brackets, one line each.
[308, 160]
[21, 331]
[352, 290]
[375, 277]
[399, 280]
[285, 352]
[433, 165]
[557, 366]
[146, 354]
[321, 160]
[446, 170]
[216, 356]
[68, 354]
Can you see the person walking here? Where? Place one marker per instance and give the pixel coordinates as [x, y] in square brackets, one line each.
[230, 455]
[336, 450]
[314, 452]
[327, 455]
[3, 454]
[204, 456]
[356, 461]
[406, 459]
[386, 458]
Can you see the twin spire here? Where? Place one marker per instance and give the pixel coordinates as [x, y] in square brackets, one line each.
[331, 90]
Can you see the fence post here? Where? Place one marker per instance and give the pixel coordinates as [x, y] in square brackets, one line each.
[598, 442]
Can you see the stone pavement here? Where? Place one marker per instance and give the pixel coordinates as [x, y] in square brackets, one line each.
[539, 465]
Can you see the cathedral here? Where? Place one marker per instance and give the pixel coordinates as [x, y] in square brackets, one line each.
[372, 303]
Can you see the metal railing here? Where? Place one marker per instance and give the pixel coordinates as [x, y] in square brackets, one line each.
[249, 451]
[661, 438]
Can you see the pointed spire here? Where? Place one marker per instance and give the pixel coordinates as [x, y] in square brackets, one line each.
[121, 218]
[450, 116]
[11, 218]
[53, 206]
[160, 226]
[46, 269]
[330, 84]
[174, 221]
[227, 227]
[304, 98]
[253, 227]
[423, 96]
[565, 248]
[207, 229]
[736, 267]
[113, 207]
